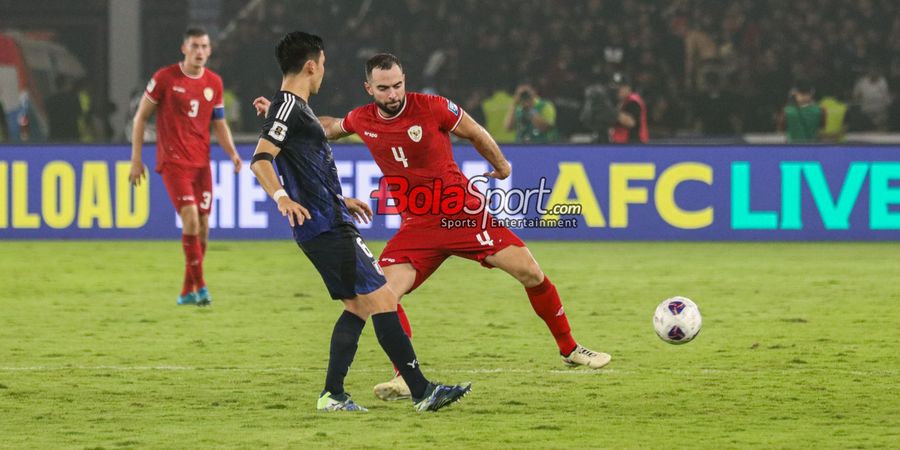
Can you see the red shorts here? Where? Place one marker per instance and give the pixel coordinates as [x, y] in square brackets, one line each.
[188, 186]
[426, 245]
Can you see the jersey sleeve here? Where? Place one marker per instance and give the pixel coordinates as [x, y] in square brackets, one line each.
[156, 87]
[347, 123]
[447, 113]
[218, 100]
[275, 128]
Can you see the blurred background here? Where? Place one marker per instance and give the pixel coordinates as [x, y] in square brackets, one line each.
[708, 71]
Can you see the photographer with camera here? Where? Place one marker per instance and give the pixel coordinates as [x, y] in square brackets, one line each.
[532, 118]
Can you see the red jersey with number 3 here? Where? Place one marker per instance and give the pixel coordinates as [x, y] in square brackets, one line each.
[414, 143]
[184, 111]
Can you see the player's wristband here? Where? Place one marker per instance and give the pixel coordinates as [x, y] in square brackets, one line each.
[278, 194]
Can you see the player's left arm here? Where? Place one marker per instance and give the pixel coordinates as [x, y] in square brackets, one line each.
[331, 125]
[486, 146]
[223, 135]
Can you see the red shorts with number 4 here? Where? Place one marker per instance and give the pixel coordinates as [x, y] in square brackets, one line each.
[425, 243]
[188, 186]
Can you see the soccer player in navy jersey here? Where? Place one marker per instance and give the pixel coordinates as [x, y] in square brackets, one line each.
[186, 97]
[322, 223]
[408, 134]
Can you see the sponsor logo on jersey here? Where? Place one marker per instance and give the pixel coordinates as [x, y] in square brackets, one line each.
[370, 134]
[178, 89]
[208, 94]
[150, 85]
[453, 108]
[415, 133]
[278, 131]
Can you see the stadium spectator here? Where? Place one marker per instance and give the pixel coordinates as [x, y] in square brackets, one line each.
[532, 118]
[323, 228]
[802, 119]
[64, 112]
[598, 113]
[835, 110]
[631, 123]
[495, 108]
[187, 99]
[716, 108]
[873, 96]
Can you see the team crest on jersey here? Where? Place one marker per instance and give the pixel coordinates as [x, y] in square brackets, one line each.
[208, 94]
[453, 108]
[415, 133]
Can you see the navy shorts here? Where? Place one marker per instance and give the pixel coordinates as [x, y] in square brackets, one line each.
[346, 264]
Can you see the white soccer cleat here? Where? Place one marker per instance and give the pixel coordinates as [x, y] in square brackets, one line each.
[396, 389]
[584, 357]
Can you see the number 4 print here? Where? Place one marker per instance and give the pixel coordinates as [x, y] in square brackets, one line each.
[399, 156]
[484, 239]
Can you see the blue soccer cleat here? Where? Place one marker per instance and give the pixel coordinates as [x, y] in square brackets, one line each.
[438, 396]
[340, 402]
[203, 297]
[188, 299]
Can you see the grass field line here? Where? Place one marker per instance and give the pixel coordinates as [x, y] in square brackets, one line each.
[575, 371]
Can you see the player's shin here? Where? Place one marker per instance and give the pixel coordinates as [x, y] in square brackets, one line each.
[344, 342]
[407, 328]
[193, 258]
[399, 349]
[548, 306]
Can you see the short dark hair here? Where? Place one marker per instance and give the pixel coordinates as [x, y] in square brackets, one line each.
[804, 87]
[194, 32]
[295, 48]
[383, 61]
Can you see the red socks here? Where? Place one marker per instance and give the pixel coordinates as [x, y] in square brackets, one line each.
[404, 321]
[546, 303]
[193, 263]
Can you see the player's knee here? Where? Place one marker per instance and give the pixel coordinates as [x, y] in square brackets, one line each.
[531, 275]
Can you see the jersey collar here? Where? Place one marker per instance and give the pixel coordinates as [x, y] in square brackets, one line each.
[399, 113]
[194, 77]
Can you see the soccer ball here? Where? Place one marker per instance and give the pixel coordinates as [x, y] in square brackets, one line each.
[677, 320]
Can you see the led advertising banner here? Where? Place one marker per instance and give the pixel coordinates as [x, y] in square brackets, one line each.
[555, 192]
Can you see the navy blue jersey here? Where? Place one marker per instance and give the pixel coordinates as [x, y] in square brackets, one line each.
[306, 164]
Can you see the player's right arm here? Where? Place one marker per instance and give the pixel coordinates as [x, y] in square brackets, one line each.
[145, 110]
[486, 146]
[333, 128]
[262, 167]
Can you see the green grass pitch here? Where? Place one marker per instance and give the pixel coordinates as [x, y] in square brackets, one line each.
[798, 350]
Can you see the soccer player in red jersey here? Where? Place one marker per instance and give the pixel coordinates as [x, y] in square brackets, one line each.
[408, 134]
[186, 97]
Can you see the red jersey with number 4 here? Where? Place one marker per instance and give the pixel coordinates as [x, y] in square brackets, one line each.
[184, 111]
[413, 144]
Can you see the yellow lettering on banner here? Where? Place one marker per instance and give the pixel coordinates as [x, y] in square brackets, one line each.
[4, 196]
[21, 217]
[665, 195]
[58, 187]
[621, 195]
[573, 177]
[95, 202]
[130, 215]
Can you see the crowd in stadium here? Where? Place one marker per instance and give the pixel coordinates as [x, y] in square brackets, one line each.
[695, 62]
[703, 67]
